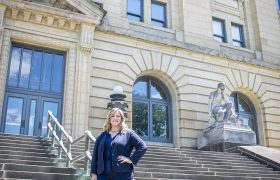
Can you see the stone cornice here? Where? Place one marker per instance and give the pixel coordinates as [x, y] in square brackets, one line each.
[88, 7]
[46, 15]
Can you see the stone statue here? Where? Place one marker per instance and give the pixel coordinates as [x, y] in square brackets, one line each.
[220, 108]
[226, 130]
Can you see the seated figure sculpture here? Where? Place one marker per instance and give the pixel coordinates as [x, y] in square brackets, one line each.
[220, 108]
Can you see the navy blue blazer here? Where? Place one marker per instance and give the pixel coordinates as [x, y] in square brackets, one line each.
[122, 145]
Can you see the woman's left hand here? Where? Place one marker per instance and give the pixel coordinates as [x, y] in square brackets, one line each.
[123, 159]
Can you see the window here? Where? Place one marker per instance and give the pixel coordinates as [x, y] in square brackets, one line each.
[151, 110]
[237, 35]
[135, 10]
[277, 4]
[34, 85]
[158, 14]
[219, 30]
[245, 110]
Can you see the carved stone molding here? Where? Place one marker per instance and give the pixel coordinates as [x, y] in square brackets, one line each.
[86, 49]
[2, 12]
[61, 4]
[86, 38]
[41, 18]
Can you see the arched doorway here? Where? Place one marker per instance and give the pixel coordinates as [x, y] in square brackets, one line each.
[151, 110]
[246, 111]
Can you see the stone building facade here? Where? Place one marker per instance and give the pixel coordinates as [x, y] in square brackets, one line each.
[100, 47]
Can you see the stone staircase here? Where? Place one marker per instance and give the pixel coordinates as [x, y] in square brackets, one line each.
[171, 163]
[23, 157]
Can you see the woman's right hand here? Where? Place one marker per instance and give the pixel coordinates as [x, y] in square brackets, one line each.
[93, 177]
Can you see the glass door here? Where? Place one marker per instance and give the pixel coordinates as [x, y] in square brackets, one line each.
[34, 86]
[14, 113]
[48, 104]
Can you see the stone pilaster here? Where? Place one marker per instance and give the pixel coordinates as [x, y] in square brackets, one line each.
[82, 80]
[2, 63]
[2, 13]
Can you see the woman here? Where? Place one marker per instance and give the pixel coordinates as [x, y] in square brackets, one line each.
[112, 157]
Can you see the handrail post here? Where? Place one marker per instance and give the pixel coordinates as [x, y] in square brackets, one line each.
[87, 150]
[60, 149]
[53, 136]
[49, 120]
[69, 150]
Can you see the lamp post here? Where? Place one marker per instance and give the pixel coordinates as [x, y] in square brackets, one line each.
[118, 99]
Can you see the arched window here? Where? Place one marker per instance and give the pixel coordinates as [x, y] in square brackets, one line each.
[151, 110]
[246, 111]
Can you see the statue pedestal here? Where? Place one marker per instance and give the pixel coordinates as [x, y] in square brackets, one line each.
[222, 136]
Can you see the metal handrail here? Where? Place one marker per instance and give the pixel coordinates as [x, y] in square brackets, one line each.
[53, 127]
[86, 154]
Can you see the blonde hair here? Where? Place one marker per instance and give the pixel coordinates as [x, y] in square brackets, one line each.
[107, 126]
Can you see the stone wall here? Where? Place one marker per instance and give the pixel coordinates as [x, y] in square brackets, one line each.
[190, 77]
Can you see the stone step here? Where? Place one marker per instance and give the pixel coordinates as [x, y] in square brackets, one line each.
[219, 159]
[27, 158]
[40, 175]
[22, 149]
[142, 169]
[203, 156]
[235, 163]
[20, 136]
[27, 162]
[46, 169]
[178, 167]
[14, 179]
[200, 152]
[248, 174]
[26, 153]
[190, 159]
[169, 163]
[160, 159]
[23, 141]
[263, 170]
[194, 176]
[19, 146]
[188, 162]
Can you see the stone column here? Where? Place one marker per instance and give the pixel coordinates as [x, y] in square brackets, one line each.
[82, 80]
[2, 14]
[3, 58]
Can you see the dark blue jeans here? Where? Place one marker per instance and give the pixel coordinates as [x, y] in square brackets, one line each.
[116, 176]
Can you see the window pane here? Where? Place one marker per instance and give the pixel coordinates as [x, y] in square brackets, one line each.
[140, 88]
[134, 6]
[134, 18]
[14, 115]
[46, 72]
[36, 70]
[157, 92]
[57, 73]
[238, 44]
[243, 106]
[277, 4]
[158, 11]
[140, 118]
[48, 106]
[218, 39]
[218, 28]
[159, 24]
[25, 68]
[14, 67]
[236, 35]
[32, 117]
[160, 121]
